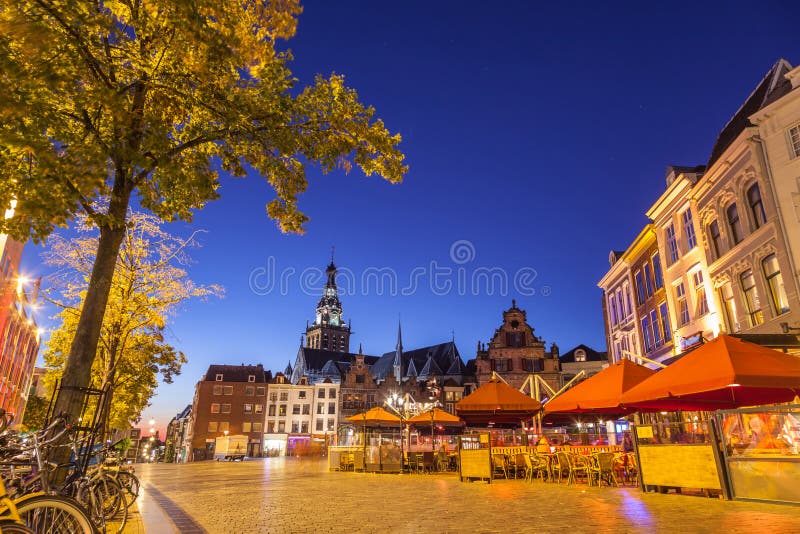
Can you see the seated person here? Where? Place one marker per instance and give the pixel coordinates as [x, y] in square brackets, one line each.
[543, 446]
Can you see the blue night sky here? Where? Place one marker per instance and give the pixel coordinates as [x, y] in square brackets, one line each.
[539, 134]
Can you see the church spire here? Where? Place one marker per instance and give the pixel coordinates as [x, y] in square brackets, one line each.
[329, 330]
[398, 354]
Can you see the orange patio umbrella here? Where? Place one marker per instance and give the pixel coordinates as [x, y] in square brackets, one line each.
[440, 417]
[601, 393]
[375, 417]
[496, 402]
[723, 373]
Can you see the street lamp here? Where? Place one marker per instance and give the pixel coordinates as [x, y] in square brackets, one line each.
[433, 401]
[400, 406]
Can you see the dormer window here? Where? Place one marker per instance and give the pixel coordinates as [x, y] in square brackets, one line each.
[219, 378]
[580, 355]
[251, 378]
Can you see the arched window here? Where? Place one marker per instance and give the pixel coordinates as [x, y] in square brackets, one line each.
[734, 224]
[756, 206]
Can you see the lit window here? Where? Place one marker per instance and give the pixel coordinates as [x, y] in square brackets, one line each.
[734, 224]
[756, 206]
[683, 306]
[726, 292]
[246, 427]
[213, 426]
[248, 408]
[282, 410]
[215, 407]
[688, 230]
[259, 408]
[772, 272]
[751, 298]
[223, 426]
[701, 302]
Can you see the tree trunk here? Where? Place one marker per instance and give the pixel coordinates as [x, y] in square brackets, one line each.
[78, 370]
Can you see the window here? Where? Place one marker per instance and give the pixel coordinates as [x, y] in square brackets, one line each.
[580, 355]
[295, 427]
[223, 426]
[273, 396]
[260, 391]
[246, 427]
[249, 391]
[648, 280]
[257, 427]
[639, 288]
[665, 326]
[628, 308]
[248, 408]
[304, 428]
[320, 393]
[688, 230]
[683, 306]
[672, 244]
[502, 365]
[331, 408]
[251, 378]
[217, 390]
[647, 334]
[213, 426]
[219, 378]
[295, 409]
[794, 141]
[227, 390]
[658, 340]
[620, 312]
[331, 424]
[751, 298]
[715, 238]
[271, 410]
[215, 407]
[332, 393]
[701, 302]
[659, 279]
[320, 408]
[226, 408]
[284, 395]
[756, 206]
[359, 379]
[306, 409]
[281, 426]
[734, 224]
[612, 305]
[772, 272]
[259, 408]
[726, 294]
[318, 425]
[301, 394]
[282, 410]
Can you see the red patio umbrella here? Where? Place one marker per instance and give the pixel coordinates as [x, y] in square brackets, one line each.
[601, 393]
[723, 373]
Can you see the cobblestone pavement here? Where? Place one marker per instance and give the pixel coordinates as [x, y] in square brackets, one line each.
[300, 495]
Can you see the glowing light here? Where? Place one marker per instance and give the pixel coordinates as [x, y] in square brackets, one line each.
[734, 385]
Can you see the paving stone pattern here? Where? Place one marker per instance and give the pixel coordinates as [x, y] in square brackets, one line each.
[301, 495]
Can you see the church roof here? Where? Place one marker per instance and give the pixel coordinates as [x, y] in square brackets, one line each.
[236, 373]
[442, 355]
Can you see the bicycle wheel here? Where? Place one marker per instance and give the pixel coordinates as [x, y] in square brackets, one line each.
[129, 483]
[12, 527]
[53, 514]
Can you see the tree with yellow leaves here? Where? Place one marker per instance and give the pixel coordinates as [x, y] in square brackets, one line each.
[151, 97]
[150, 282]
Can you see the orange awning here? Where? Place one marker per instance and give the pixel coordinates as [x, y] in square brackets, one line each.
[440, 417]
[497, 396]
[601, 393]
[375, 417]
[723, 373]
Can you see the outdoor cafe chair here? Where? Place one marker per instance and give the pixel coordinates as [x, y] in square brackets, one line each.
[604, 462]
[519, 465]
[540, 465]
[560, 466]
[499, 465]
[428, 461]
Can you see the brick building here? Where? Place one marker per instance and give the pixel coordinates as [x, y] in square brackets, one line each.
[515, 353]
[229, 398]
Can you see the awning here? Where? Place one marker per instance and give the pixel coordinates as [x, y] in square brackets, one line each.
[723, 373]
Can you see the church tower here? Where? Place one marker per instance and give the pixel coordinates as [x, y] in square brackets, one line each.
[329, 330]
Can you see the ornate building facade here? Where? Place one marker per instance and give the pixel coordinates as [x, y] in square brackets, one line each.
[515, 353]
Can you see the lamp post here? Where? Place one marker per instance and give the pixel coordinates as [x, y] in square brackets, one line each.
[433, 398]
[399, 405]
